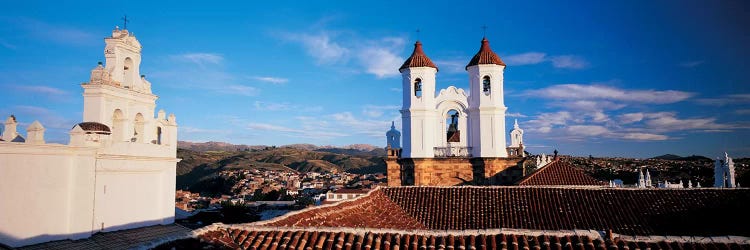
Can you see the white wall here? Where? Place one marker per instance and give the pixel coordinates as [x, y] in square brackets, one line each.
[53, 192]
[47, 196]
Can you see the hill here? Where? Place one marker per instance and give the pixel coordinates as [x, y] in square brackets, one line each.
[199, 168]
[672, 157]
[667, 157]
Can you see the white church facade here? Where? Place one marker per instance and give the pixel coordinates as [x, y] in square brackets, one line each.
[454, 136]
[116, 172]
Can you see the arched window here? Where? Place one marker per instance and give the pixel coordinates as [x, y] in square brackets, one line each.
[452, 131]
[118, 125]
[486, 85]
[138, 128]
[418, 88]
[127, 72]
[158, 135]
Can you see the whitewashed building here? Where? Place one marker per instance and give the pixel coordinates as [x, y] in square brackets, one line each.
[724, 172]
[455, 136]
[453, 122]
[116, 172]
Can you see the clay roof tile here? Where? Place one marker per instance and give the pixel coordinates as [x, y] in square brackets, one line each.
[485, 56]
[417, 59]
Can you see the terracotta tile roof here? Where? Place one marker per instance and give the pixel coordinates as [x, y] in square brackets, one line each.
[485, 56]
[417, 59]
[238, 237]
[559, 173]
[695, 212]
[94, 127]
[372, 210]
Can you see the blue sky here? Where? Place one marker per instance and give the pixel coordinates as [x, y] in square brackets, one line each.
[606, 78]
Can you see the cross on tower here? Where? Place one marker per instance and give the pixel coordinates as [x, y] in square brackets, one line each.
[125, 22]
[484, 30]
[418, 34]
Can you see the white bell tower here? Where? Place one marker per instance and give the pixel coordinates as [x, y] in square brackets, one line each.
[486, 104]
[119, 97]
[418, 111]
[516, 135]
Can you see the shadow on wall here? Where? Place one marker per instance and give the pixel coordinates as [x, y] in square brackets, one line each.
[461, 171]
[506, 177]
[7, 239]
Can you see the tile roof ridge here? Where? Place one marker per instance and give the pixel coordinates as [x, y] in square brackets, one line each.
[537, 171]
[417, 59]
[592, 234]
[287, 215]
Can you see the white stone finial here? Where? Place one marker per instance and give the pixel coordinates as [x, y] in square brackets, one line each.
[35, 133]
[515, 123]
[77, 136]
[172, 119]
[161, 115]
[10, 133]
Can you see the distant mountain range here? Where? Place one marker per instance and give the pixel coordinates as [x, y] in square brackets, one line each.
[201, 162]
[672, 157]
[223, 146]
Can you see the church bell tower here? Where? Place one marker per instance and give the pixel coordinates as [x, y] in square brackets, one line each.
[418, 111]
[486, 104]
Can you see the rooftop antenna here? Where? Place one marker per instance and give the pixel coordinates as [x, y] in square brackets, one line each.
[125, 22]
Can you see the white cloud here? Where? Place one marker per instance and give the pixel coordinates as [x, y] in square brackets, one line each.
[599, 116]
[742, 111]
[285, 106]
[378, 111]
[602, 92]
[237, 89]
[668, 121]
[44, 90]
[645, 137]
[270, 79]
[589, 105]
[561, 61]
[544, 122]
[271, 127]
[726, 100]
[380, 61]
[451, 66]
[587, 130]
[525, 58]
[271, 106]
[199, 58]
[569, 62]
[630, 126]
[58, 33]
[292, 132]
[368, 127]
[631, 118]
[49, 119]
[320, 47]
[379, 57]
[516, 114]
